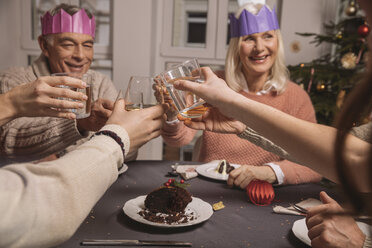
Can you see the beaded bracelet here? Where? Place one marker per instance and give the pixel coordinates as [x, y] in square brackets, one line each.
[115, 137]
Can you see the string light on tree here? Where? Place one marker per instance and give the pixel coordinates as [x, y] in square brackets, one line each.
[320, 86]
[339, 35]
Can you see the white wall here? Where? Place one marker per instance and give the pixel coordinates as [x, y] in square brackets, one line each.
[10, 30]
[133, 51]
[305, 16]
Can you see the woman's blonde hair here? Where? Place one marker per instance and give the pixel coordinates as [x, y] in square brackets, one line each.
[233, 66]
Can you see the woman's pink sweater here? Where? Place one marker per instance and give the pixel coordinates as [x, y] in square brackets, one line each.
[294, 101]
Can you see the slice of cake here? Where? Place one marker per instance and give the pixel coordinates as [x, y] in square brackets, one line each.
[224, 167]
[168, 199]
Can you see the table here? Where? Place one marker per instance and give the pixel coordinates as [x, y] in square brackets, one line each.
[239, 224]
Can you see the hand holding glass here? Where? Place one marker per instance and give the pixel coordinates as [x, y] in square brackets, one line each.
[85, 111]
[187, 103]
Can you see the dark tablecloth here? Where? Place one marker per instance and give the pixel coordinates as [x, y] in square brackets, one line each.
[239, 224]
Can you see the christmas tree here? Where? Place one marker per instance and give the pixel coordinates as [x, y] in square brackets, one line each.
[329, 78]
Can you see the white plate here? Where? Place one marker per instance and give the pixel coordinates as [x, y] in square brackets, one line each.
[201, 210]
[209, 170]
[300, 230]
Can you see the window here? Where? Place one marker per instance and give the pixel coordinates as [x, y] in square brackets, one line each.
[196, 28]
[189, 23]
[31, 29]
[188, 28]
[199, 28]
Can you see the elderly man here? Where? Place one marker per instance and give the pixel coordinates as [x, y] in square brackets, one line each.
[66, 43]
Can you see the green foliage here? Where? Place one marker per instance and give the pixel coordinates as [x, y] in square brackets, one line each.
[181, 185]
[328, 69]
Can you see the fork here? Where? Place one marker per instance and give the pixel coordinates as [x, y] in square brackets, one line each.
[299, 208]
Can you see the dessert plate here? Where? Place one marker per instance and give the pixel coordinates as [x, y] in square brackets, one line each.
[209, 170]
[300, 230]
[199, 209]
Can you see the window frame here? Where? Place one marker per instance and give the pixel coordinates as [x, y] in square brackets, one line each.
[26, 28]
[216, 32]
[201, 52]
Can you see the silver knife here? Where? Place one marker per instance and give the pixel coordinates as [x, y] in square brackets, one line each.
[125, 242]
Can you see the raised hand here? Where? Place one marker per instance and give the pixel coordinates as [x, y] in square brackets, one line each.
[243, 175]
[142, 125]
[163, 97]
[330, 227]
[100, 112]
[214, 90]
[212, 120]
[39, 98]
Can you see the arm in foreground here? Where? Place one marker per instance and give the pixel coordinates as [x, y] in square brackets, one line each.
[39, 98]
[44, 204]
[308, 143]
[37, 137]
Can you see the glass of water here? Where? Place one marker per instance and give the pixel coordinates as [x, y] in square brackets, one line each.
[87, 78]
[187, 103]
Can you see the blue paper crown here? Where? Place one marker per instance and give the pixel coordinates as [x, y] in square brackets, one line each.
[249, 23]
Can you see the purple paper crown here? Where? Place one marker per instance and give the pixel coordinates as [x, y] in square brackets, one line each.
[63, 22]
[249, 23]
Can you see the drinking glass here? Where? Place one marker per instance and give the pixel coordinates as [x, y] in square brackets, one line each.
[139, 93]
[187, 103]
[87, 78]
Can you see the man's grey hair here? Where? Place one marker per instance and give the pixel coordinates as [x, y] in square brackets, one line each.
[70, 9]
[49, 39]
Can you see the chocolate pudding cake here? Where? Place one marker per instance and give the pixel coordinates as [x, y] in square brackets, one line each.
[168, 200]
[167, 204]
[224, 167]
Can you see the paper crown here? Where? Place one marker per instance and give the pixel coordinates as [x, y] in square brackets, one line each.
[260, 193]
[63, 22]
[249, 23]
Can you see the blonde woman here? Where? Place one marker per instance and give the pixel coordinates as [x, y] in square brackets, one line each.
[255, 68]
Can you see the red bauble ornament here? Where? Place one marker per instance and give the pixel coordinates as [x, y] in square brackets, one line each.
[363, 30]
[260, 193]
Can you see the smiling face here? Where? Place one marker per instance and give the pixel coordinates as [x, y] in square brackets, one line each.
[68, 52]
[258, 52]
